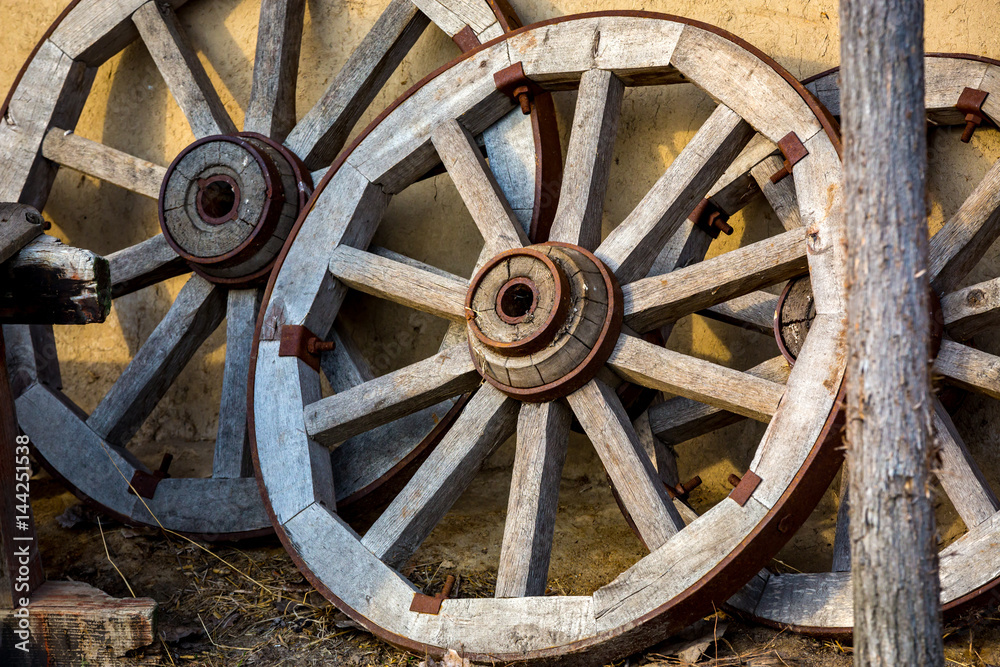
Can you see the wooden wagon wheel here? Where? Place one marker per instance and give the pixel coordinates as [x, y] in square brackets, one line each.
[965, 91]
[226, 204]
[550, 326]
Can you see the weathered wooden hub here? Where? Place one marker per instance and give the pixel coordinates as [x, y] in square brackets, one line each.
[228, 202]
[542, 320]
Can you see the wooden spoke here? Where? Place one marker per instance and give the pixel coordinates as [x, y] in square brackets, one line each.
[656, 300]
[271, 111]
[660, 454]
[478, 187]
[780, 195]
[321, 133]
[635, 480]
[966, 237]
[345, 367]
[680, 419]
[971, 310]
[232, 451]
[959, 475]
[144, 264]
[402, 283]
[969, 368]
[659, 368]
[754, 311]
[737, 187]
[197, 311]
[379, 401]
[107, 164]
[487, 420]
[453, 16]
[542, 437]
[842, 533]
[588, 160]
[182, 71]
[632, 247]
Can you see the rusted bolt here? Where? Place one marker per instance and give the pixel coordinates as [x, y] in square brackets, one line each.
[315, 346]
[735, 480]
[523, 95]
[683, 490]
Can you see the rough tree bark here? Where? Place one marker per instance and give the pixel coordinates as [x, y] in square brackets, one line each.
[893, 543]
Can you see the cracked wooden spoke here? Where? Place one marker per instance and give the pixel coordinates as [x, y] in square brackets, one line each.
[635, 480]
[680, 419]
[486, 421]
[588, 160]
[631, 248]
[384, 399]
[271, 111]
[478, 188]
[542, 439]
[144, 264]
[656, 300]
[100, 161]
[754, 311]
[965, 238]
[321, 133]
[959, 475]
[404, 284]
[194, 315]
[969, 368]
[232, 450]
[973, 309]
[182, 71]
[659, 368]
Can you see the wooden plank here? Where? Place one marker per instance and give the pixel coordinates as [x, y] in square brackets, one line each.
[656, 300]
[51, 283]
[960, 477]
[635, 480]
[400, 283]
[183, 73]
[100, 161]
[232, 447]
[588, 160]
[478, 188]
[394, 395]
[19, 224]
[486, 421]
[630, 249]
[144, 264]
[680, 419]
[968, 368]
[194, 315]
[813, 600]
[967, 235]
[972, 309]
[659, 368]
[754, 311]
[271, 111]
[542, 439]
[780, 195]
[453, 16]
[321, 133]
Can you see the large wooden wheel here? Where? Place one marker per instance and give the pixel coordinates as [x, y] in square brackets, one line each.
[226, 205]
[550, 329]
[963, 91]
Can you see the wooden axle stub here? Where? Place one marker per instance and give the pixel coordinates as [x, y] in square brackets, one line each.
[542, 320]
[227, 204]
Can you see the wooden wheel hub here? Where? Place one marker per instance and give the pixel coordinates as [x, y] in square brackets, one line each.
[227, 203]
[542, 320]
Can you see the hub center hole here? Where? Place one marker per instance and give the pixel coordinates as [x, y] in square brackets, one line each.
[218, 199]
[517, 300]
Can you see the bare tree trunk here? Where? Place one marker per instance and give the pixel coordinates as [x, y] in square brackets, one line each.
[893, 543]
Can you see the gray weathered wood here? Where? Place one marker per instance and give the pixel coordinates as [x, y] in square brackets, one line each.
[194, 315]
[453, 16]
[960, 477]
[645, 498]
[630, 249]
[394, 395]
[588, 160]
[321, 133]
[842, 532]
[780, 195]
[271, 111]
[478, 188]
[94, 159]
[182, 71]
[345, 367]
[656, 300]
[144, 264]
[486, 421]
[661, 454]
[19, 224]
[232, 451]
[754, 311]
[889, 406]
[542, 438]
[972, 309]
[402, 283]
[969, 368]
